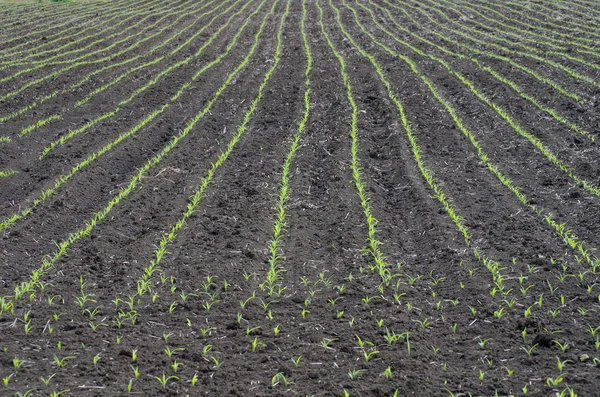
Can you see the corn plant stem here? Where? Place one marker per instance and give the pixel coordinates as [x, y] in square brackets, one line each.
[114, 15]
[74, 63]
[19, 56]
[7, 173]
[13, 15]
[517, 127]
[79, 61]
[58, 116]
[24, 14]
[65, 34]
[556, 45]
[587, 12]
[526, 35]
[546, 18]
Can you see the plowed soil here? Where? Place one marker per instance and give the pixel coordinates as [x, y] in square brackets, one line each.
[462, 262]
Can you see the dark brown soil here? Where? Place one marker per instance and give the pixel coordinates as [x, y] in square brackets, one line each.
[204, 324]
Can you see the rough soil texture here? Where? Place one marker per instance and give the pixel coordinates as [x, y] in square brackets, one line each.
[474, 274]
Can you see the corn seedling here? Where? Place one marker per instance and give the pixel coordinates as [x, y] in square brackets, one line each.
[388, 373]
[257, 345]
[62, 362]
[59, 393]
[46, 381]
[368, 355]
[296, 360]
[325, 342]
[280, 378]
[163, 380]
[482, 342]
[562, 346]
[170, 352]
[529, 350]
[554, 381]
[18, 363]
[175, 365]
[6, 380]
[423, 323]
[354, 374]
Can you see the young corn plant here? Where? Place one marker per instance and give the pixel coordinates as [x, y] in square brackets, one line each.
[355, 374]
[280, 378]
[163, 380]
[62, 362]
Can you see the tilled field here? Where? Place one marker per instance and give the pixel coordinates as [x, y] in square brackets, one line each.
[300, 197]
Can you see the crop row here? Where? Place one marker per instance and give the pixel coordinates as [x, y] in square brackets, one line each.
[129, 24]
[360, 187]
[559, 228]
[426, 306]
[140, 125]
[47, 29]
[71, 133]
[73, 38]
[32, 285]
[80, 61]
[161, 45]
[378, 256]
